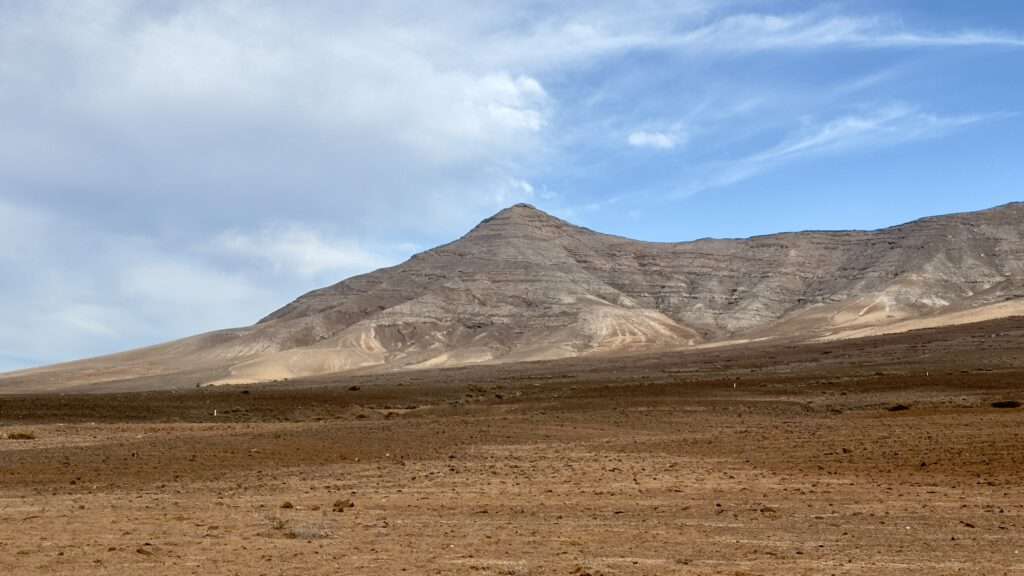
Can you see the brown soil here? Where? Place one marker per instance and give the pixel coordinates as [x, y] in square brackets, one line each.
[749, 460]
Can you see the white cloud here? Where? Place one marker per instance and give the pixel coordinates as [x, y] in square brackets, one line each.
[160, 280]
[516, 103]
[72, 291]
[656, 140]
[200, 102]
[514, 191]
[432, 109]
[297, 249]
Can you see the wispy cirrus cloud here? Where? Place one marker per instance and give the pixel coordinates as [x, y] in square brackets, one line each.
[887, 126]
[585, 35]
[764, 32]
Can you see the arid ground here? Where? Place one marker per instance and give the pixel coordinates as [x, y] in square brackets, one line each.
[875, 456]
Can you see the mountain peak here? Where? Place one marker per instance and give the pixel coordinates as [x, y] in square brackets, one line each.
[519, 216]
[521, 210]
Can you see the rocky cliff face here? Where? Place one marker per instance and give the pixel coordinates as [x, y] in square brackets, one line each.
[524, 285]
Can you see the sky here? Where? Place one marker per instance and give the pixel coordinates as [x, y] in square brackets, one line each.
[173, 167]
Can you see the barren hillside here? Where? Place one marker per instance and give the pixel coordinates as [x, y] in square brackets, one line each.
[524, 285]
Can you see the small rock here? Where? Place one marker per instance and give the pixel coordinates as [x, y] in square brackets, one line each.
[342, 505]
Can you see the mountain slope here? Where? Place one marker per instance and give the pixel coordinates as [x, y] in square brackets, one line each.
[524, 285]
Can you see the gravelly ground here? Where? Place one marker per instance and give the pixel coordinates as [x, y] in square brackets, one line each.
[764, 460]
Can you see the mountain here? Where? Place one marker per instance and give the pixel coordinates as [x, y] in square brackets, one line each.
[524, 285]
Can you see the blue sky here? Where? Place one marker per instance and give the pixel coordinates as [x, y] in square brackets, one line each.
[174, 167]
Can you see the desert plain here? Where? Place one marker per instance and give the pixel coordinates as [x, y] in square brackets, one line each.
[897, 454]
